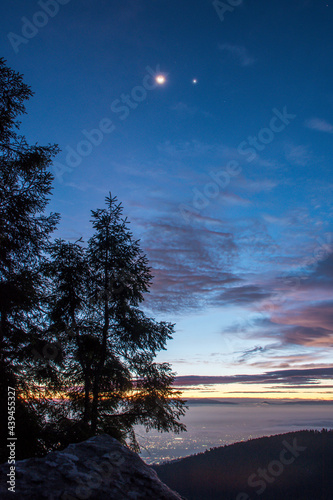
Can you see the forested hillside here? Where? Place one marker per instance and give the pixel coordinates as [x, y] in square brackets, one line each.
[293, 466]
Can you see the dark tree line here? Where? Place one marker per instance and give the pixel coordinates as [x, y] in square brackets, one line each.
[73, 340]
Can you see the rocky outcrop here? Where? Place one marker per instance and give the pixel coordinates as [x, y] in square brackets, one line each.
[97, 469]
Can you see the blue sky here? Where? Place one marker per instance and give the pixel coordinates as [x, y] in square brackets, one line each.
[227, 180]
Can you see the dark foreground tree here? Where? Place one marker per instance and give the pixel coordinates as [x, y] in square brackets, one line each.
[74, 343]
[25, 184]
[108, 343]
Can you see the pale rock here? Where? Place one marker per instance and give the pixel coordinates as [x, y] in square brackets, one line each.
[97, 469]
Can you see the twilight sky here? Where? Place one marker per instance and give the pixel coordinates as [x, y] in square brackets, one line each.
[225, 170]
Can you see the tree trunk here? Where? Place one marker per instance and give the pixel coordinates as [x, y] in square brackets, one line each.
[86, 414]
[98, 375]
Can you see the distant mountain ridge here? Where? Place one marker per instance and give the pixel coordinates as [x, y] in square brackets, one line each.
[293, 466]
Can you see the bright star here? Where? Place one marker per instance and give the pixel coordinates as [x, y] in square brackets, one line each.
[160, 79]
[194, 81]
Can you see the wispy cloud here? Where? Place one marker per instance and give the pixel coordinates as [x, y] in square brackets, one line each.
[278, 359]
[309, 336]
[304, 376]
[193, 148]
[184, 109]
[248, 353]
[229, 198]
[238, 52]
[244, 295]
[295, 314]
[298, 155]
[190, 264]
[320, 125]
[256, 186]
